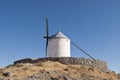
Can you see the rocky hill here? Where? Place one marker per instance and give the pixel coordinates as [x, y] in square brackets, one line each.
[56, 69]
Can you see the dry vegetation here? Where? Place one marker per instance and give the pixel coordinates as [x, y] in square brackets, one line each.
[21, 71]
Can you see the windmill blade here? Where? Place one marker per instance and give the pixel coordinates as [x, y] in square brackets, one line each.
[82, 50]
[47, 35]
[47, 30]
[46, 46]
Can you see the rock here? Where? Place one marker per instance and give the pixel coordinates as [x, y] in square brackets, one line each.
[64, 77]
[2, 79]
[51, 78]
[7, 74]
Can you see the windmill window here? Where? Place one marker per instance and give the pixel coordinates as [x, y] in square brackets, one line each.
[58, 39]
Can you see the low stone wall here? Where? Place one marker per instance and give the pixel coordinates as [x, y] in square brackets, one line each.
[101, 65]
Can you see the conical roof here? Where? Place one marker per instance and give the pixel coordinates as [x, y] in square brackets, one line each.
[59, 34]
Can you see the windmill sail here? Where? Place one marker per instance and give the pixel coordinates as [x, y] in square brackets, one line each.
[82, 50]
[47, 35]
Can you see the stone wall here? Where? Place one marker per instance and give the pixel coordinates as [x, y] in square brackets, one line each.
[101, 65]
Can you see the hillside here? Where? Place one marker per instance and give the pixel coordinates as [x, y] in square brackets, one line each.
[52, 70]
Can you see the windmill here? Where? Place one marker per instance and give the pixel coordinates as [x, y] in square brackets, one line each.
[58, 45]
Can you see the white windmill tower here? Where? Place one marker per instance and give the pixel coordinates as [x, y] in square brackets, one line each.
[58, 45]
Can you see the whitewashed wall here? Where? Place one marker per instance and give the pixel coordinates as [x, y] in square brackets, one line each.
[59, 47]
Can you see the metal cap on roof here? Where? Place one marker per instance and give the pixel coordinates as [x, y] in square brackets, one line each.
[59, 34]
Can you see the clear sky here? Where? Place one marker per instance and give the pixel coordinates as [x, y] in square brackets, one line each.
[94, 25]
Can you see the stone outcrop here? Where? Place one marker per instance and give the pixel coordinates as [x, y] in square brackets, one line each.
[60, 76]
[48, 76]
[101, 65]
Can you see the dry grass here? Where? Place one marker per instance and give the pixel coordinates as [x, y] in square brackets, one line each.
[20, 71]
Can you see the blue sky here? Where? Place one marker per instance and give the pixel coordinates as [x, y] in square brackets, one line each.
[92, 24]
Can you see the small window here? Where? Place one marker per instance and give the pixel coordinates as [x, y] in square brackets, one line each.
[58, 39]
[66, 40]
